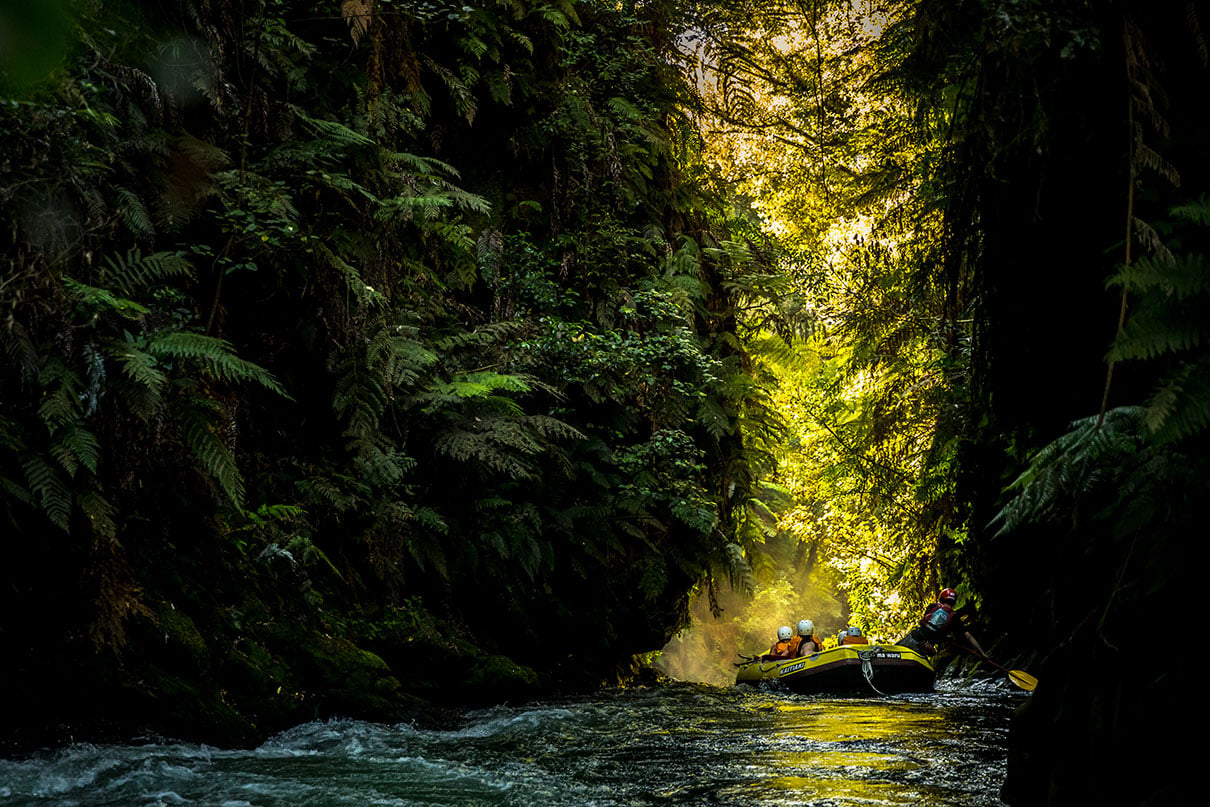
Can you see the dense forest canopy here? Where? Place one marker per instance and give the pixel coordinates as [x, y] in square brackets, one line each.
[340, 338]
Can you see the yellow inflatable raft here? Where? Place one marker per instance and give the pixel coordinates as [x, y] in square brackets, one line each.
[855, 668]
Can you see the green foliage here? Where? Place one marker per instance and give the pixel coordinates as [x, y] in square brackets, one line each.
[349, 310]
[856, 349]
[1171, 293]
[1073, 467]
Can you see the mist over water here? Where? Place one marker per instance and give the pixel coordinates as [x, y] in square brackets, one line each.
[706, 651]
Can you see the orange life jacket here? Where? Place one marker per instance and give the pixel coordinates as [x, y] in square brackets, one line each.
[798, 651]
[780, 649]
[855, 640]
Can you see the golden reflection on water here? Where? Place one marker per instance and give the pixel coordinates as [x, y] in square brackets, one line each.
[801, 790]
[847, 752]
[838, 721]
[821, 760]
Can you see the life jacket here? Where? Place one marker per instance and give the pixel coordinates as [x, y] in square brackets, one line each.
[803, 640]
[854, 640]
[795, 642]
[780, 649]
[938, 620]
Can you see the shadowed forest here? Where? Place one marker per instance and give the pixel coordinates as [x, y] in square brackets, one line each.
[345, 343]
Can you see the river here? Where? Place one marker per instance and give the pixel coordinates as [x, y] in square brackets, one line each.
[676, 744]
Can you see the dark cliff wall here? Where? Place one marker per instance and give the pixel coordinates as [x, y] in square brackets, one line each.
[1082, 118]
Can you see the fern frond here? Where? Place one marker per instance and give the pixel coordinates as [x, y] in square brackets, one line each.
[199, 429]
[343, 494]
[15, 491]
[19, 348]
[380, 464]
[366, 295]
[76, 446]
[49, 489]
[1179, 277]
[424, 166]
[463, 97]
[139, 366]
[493, 445]
[216, 355]
[1196, 212]
[480, 385]
[333, 131]
[59, 408]
[430, 519]
[1072, 466]
[99, 301]
[402, 358]
[1181, 407]
[133, 212]
[1154, 331]
[777, 497]
[134, 271]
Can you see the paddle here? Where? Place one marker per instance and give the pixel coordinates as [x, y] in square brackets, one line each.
[746, 660]
[1018, 677]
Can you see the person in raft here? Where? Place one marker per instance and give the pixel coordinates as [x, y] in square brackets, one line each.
[783, 647]
[940, 623]
[808, 642]
[852, 636]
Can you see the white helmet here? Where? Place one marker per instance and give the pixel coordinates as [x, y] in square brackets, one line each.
[806, 627]
[784, 633]
[854, 631]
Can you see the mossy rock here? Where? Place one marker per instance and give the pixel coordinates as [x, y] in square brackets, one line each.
[492, 679]
[251, 667]
[336, 677]
[188, 707]
[170, 637]
[340, 664]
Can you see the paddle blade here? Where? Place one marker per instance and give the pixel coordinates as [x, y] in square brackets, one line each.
[1023, 680]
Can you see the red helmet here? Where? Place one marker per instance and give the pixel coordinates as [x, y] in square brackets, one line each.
[948, 596]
